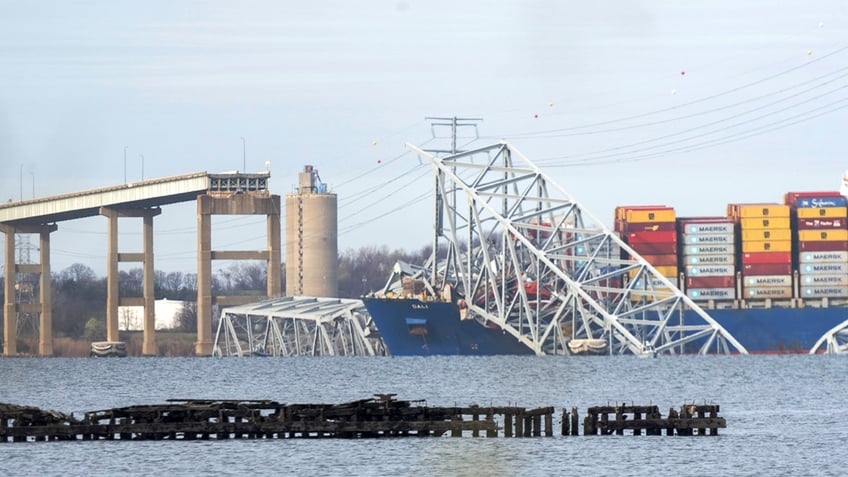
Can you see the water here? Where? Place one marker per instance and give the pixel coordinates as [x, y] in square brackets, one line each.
[784, 414]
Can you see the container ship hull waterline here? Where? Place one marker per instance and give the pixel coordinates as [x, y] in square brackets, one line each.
[773, 275]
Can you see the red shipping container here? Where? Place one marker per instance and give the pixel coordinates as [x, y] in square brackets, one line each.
[655, 248]
[661, 260]
[821, 246]
[627, 227]
[767, 257]
[791, 198]
[651, 237]
[813, 224]
[711, 282]
[766, 268]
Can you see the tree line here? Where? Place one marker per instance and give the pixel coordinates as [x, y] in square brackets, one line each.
[79, 295]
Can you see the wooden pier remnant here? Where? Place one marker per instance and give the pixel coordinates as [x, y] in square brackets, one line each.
[691, 420]
[380, 416]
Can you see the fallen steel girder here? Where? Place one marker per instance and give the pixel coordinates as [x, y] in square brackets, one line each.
[835, 341]
[529, 258]
[298, 326]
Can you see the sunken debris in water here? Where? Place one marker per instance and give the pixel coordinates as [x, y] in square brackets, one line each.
[382, 416]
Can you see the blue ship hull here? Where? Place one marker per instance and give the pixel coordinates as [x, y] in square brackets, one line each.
[777, 330]
[414, 328]
[411, 327]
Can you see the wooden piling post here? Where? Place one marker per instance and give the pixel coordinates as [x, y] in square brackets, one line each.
[575, 421]
[508, 423]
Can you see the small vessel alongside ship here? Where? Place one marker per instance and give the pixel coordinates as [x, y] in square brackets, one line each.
[773, 276]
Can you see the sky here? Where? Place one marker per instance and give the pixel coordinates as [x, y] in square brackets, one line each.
[692, 104]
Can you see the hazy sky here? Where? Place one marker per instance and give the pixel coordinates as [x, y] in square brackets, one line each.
[692, 104]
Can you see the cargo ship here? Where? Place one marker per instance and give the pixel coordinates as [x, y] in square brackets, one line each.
[774, 275]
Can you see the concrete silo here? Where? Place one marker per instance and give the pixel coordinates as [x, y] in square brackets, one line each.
[312, 265]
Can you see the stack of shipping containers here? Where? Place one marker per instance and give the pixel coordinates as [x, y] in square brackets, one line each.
[765, 238]
[819, 219]
[708, 255]
[651, 232]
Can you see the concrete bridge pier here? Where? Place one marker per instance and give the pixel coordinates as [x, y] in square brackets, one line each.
[231, 203]
[44, 306]
[113, 298]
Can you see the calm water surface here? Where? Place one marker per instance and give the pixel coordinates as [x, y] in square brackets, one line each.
[784, 414]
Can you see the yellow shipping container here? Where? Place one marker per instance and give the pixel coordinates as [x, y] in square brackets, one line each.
[668, 271]
[661, 293]
[745, 211]
[767, 234]
[822, 212]
[766, 246]
[822, 235]
[765, 223]
[650, 215]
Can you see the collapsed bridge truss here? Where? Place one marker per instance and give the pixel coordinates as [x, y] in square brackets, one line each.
[527, 257]
[298, 326]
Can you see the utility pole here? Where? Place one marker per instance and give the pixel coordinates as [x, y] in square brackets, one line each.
[243, 155]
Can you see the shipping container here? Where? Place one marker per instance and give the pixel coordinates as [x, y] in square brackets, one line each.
[709, 260]
[768, 280]
[823, 213]
[650, 215]
[813, 224]
[661, 260]
[822, 235]
[833, 256]
[766, 246]
[824, 280]
[766, 269]
[766, 234]
[793, 198]
[765, 223]
[622, 210]
[825, 268]
[722, 249]
[651, 237]
[707, 239]
[666, 248]
[666, 271]
[711, 282]
[746, 211]
[767, 257]
[759, 293]
[821, 246]
[821, 202]
[700, 227]
[627, 227]
[710, 270]
[712, 293]
[822, 292]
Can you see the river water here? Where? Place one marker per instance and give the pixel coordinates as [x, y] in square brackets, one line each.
[785, 414]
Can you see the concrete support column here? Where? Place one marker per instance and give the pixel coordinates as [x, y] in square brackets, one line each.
[274, 254]
[149, 346]
[203, 346]
[45, 337]
[112, 292]
[10, 322]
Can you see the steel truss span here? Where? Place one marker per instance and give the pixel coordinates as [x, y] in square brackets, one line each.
[834, 341]
[298, 326]
[525, 256]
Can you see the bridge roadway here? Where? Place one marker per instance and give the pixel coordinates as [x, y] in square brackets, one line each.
[216, 194]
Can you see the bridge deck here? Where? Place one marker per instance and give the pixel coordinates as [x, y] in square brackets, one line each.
[142, 194]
